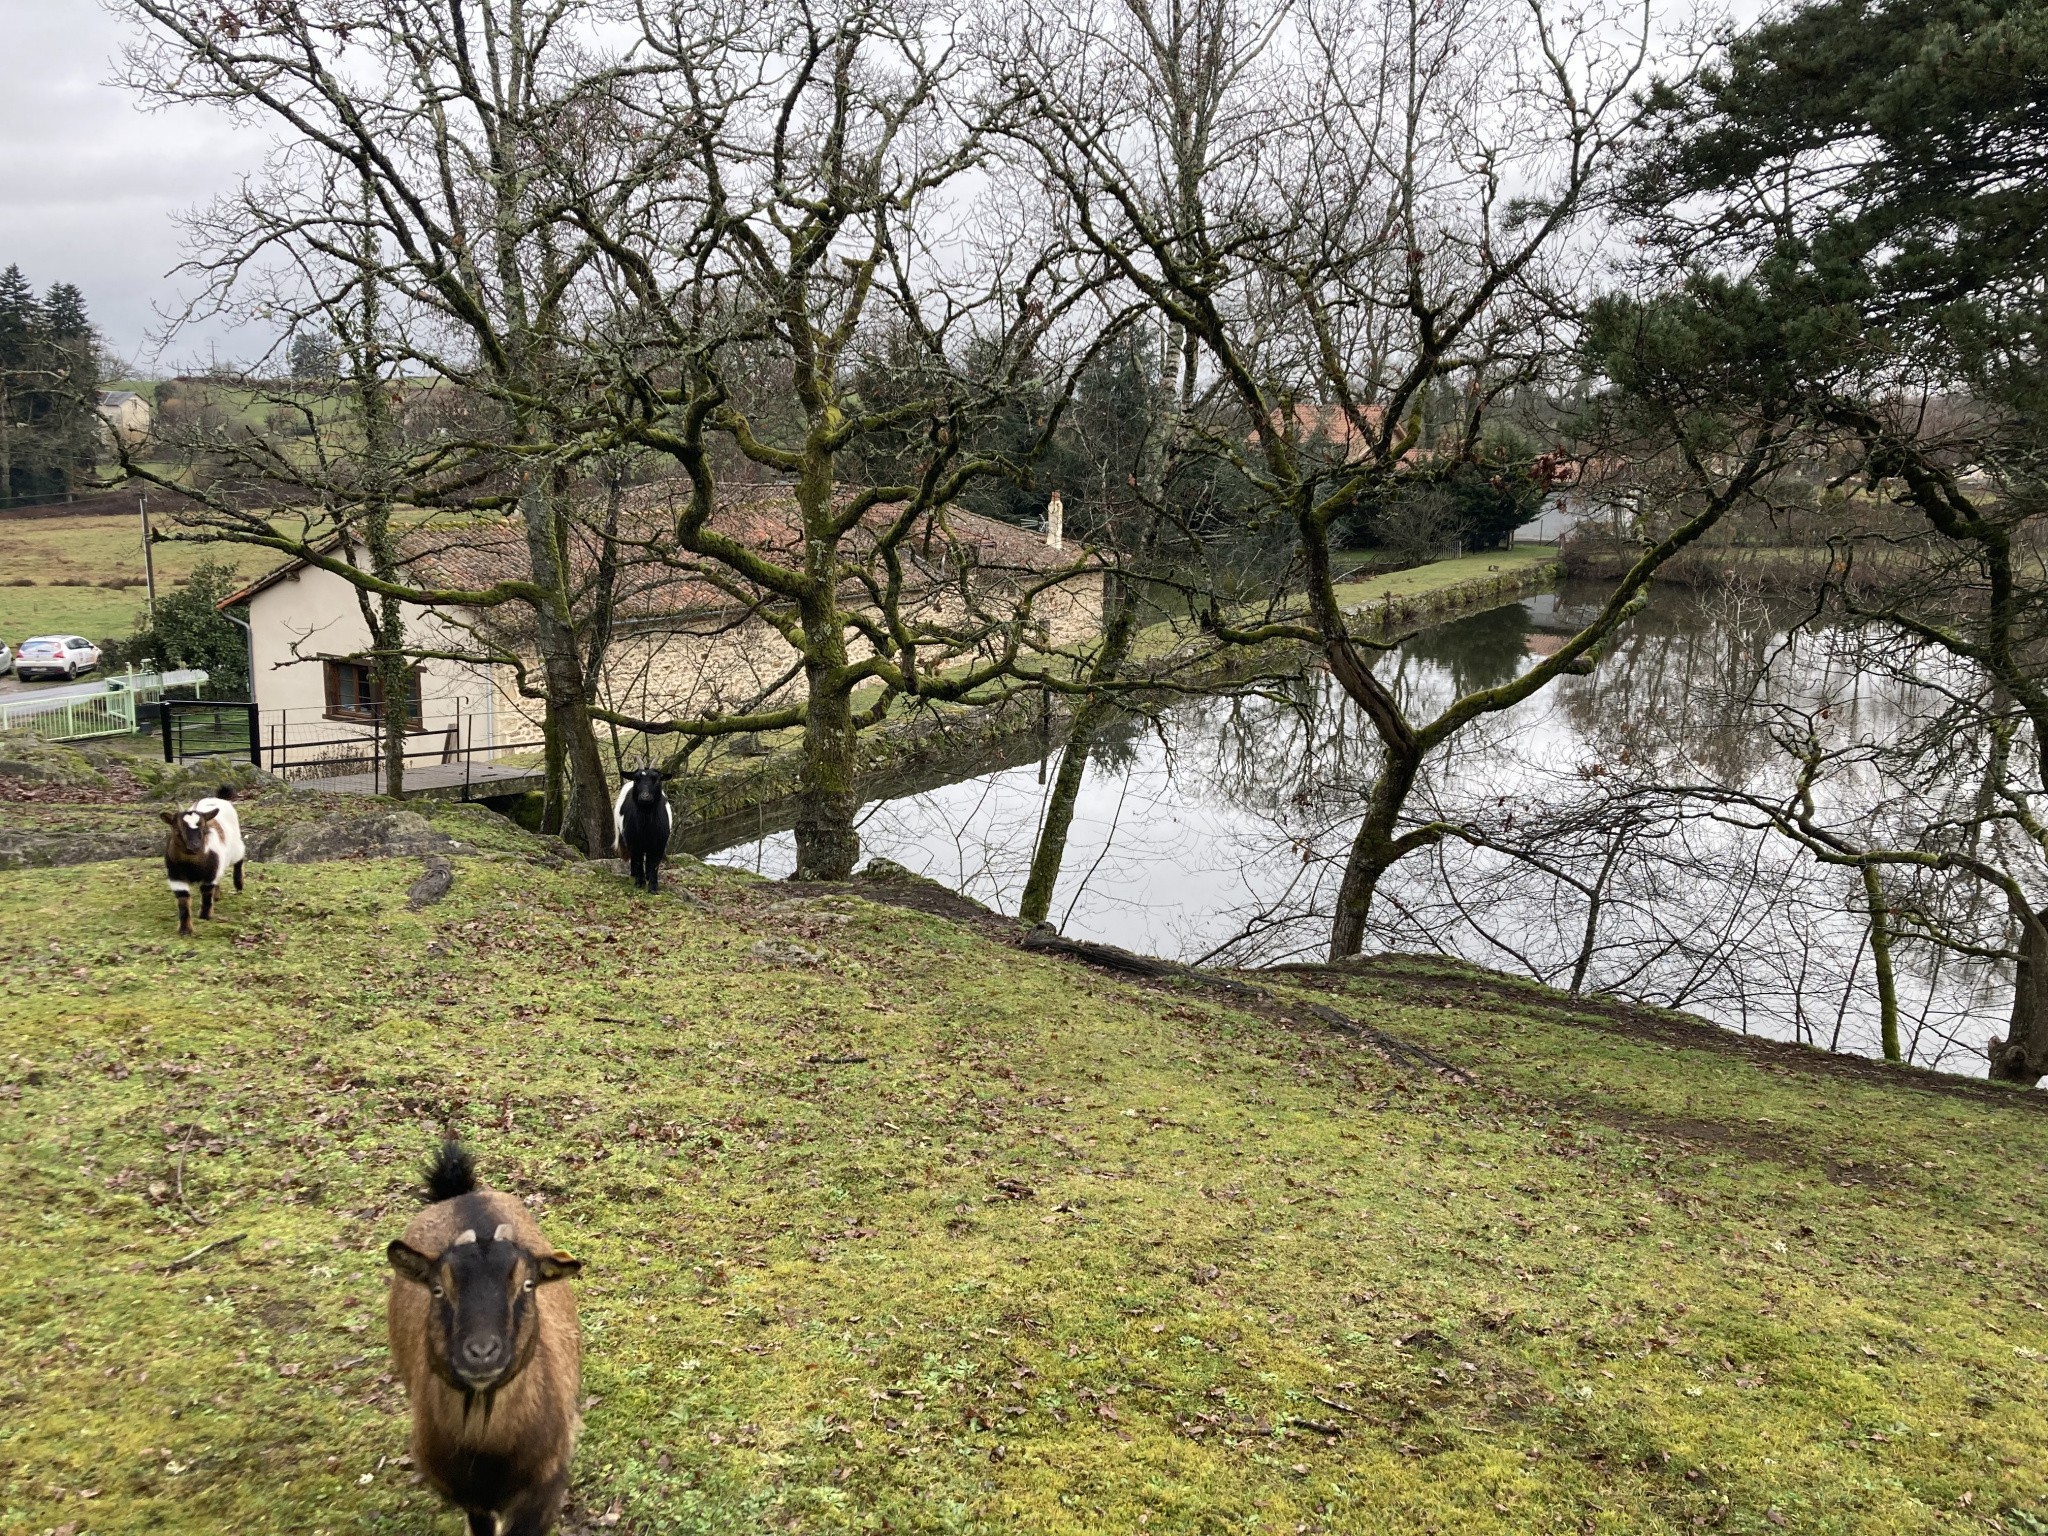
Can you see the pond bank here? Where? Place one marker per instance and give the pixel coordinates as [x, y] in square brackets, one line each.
[1762, 569]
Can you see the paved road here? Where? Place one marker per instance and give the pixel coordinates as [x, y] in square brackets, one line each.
[12, 684]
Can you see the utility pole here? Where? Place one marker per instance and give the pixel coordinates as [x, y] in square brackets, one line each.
[148, 554]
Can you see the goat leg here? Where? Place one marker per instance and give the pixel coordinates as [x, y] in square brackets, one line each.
[184, 914]
[481, 1522]
[535, 1511]
[206, 903]
[654, 873]
[238, 872]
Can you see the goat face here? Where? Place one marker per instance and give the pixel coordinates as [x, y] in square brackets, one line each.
[188, 829]
[647, 787]
[481, 1322]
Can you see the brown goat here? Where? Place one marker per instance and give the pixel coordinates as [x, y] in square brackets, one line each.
[489, 1351]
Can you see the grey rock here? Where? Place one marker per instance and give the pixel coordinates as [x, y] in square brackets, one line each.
[889, 872]
[782, 952]
[390, 835]
[204, 776]
[49, 850]
[24, 756]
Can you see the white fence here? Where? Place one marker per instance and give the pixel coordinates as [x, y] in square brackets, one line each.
[105, 708]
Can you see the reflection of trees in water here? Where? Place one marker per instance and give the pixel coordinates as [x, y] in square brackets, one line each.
[1482, 651]
[1120, 741]
[1218, 828]
[1581, 873]
[1274, 752]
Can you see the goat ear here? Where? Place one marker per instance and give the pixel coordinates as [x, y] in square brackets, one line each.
[557, 1266]
[410, 1262]
[170, 818]
[209, 813]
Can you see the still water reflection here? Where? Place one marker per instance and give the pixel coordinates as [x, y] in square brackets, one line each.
[1215, 829]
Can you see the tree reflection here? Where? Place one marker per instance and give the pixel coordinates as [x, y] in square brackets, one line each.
[1214, 828]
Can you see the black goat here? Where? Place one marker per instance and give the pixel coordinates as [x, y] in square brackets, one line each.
[641, 825]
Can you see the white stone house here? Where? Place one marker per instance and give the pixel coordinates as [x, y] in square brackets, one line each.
[687, 638]
[125, 416]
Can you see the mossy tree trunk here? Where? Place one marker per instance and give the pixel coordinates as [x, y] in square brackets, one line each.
[1376, 847]
[394, 680]
[574, 741]
[828, 791]
[828, 794]
[380, 447]
[1881, 955]
[2022, 1056]
[1095, 712]
[554, 773]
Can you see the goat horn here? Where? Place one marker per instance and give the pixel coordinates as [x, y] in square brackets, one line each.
[503, 1234]
[468, 1235]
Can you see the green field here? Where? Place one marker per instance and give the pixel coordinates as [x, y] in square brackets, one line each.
[70, 560]
[1056, 1253]
[1423, 580]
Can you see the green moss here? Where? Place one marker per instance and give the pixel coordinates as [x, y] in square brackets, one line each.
[1619, 1284]
[25, 756]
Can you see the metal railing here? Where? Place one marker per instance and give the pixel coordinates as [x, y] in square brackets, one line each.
[108, 708]
[304, 750]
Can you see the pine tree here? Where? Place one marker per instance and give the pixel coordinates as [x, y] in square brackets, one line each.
[68, 412]
[49, 390]
[17, 343]
[64, 316]
[19, 319]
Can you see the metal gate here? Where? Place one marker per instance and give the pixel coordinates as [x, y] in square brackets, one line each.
[210, 728]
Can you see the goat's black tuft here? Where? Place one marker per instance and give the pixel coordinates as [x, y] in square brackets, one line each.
[451, 1173]
[225, 792]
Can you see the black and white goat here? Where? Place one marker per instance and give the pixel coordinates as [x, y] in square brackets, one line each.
[205, 843]
[641, 825]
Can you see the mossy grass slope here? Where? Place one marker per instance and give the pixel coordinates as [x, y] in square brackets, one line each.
[891, 1226]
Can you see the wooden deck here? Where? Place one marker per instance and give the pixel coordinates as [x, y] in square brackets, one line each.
[439, 781]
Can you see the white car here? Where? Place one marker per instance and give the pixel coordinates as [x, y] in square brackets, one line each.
[6, 659]
[55, 656]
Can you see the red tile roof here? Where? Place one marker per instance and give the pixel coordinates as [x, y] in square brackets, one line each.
[659, 580]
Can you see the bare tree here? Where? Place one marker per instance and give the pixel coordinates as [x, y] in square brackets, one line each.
[1927, 803]
[809, 292]
[464, 127]
[1345, 208]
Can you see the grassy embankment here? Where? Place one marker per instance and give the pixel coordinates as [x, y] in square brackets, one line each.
[1057, 1253]
[1440, 576]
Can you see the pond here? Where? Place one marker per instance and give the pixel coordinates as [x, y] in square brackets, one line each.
[1213, 829]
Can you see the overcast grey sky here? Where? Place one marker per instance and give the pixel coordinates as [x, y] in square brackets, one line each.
[90, 186]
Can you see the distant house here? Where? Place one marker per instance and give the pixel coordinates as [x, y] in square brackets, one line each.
[126, 416]
[688, 638]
